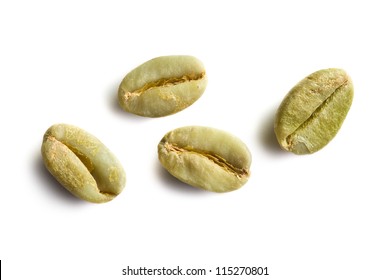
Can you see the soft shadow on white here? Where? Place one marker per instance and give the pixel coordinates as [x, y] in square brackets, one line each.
[266, 134]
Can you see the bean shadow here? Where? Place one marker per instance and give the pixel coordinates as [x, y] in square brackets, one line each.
[51, 185]
[266, 134]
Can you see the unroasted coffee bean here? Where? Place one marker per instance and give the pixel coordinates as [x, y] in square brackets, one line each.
[206, 158]
[162, 86]
[313, 111]
[82, 164]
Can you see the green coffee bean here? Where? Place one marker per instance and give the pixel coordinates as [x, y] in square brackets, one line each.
[206, 158]
[162, 86]
[82, 164]
[313, 111]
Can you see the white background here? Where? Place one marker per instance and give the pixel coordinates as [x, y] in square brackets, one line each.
[321, 216]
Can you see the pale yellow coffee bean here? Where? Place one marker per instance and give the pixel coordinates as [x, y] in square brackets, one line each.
[82, 164]
[163, 86]
[313, 111]
[205, 157]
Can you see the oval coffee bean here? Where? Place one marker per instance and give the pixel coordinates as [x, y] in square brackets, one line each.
[313, 111]
[82, 164]
[162, 86]
[206, 158]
